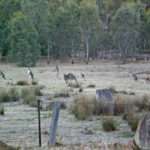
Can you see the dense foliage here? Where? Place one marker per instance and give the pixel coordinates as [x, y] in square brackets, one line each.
[62, 28]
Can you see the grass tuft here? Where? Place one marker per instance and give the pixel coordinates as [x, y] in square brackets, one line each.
[13, 94]
[109, 125]
[29, 96]
[132, 120]
[144, 103]
[83, 106]
[62, 93]
[22, 83]
[91, 86]
[2, 111]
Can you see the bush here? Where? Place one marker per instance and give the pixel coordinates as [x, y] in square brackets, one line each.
[144, 103]
[74, 85]
[9, 95]
[13, 94]
[104, 108]
[2, 111]
[91, 86]
[132, 120]
[37, 91]
[119, 105]
[22, 83]
[133, 123]
[83, 106]
[34, 83]
[109, 125]
[4, 146]
[63, 93]
[4, 97]
[125, 104]
[29, 97]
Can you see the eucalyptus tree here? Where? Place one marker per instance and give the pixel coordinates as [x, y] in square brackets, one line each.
[23, 40]
[126, 28]
[89, 24]
[64, 27]
[7, 8]
[37, 12]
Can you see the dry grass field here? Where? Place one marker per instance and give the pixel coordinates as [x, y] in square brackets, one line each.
[19, 125]
[102, 74]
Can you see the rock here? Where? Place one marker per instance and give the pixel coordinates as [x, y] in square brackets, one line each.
[104, 97]
[142, 136]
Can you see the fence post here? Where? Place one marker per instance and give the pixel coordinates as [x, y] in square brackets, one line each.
[54, 123]
[39, 123]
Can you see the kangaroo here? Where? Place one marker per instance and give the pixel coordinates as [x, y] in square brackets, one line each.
[2, 75]
[30, 74]
[57, 70]
[70, 77]
[135, 77]
[83, 76]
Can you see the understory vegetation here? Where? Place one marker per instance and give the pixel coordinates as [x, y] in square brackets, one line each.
[109, 124]
[27, 94]
[8, 95]
[127, 106]
[2, 110]
[62, 29]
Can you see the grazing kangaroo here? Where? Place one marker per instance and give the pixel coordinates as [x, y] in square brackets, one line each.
[57, 70]
[83, 76]
[2, 75]
[135, 77]
[70, 77]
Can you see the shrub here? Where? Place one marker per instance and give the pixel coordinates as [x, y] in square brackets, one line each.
[83, 106]
[63, 93]
[144, 103]
[91, 86]
[22, 83]
[133, 123]
[28, 96]
[132, 120]
[4, 146]
[13, 94]
[109, 125]
[74, 85]
[4, 97]
[2, 111]
[34, 83]
[119, 105]
[37, 91]
[8, 95]
[104, 108]
[125, 104]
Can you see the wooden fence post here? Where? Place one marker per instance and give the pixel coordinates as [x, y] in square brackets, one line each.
[39, 123]
[54, 123]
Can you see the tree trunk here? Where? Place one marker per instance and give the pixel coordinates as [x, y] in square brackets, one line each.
[87, 49]
[48, 53]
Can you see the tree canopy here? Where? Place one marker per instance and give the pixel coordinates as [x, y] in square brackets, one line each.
[63, 28]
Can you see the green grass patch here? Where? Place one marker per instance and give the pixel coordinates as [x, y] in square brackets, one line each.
[8, 95]
[109, 124]
[2, 110]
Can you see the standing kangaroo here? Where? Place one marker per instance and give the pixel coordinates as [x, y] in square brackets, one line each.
[57, 70]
